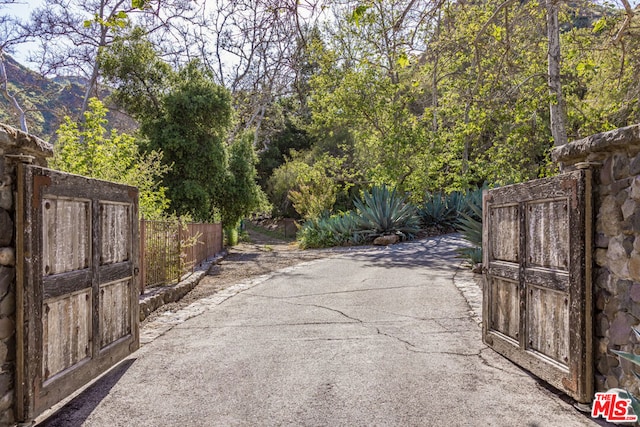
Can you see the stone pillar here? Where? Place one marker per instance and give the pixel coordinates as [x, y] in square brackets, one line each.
[15, 147]
[615, 160]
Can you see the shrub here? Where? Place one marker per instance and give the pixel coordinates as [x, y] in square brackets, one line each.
[635, 360]
[382, 211]
[316, 233]
[469, 223]
[437, 211]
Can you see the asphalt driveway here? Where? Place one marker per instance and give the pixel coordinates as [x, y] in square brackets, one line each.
[373, 337]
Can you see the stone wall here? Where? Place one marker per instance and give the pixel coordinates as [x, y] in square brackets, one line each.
[15, 147]
[615, 160]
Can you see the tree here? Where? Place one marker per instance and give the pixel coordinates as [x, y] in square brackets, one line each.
[557, 107]
[190, 129]
[91, 151]
[138, 77]
[71, 33]
[10, 35]
[242, 195]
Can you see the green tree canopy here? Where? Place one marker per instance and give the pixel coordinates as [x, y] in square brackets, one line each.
[89, 150]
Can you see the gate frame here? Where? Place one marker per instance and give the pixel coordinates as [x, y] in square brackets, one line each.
[579, 381]
[33, 394]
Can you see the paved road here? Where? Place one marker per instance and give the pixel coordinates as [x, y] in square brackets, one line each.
[380, 337]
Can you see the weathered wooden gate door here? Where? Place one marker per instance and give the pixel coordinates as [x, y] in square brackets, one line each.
[77, 295]
[537, 296]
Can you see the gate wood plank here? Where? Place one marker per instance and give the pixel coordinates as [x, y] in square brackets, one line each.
[550, 283]
[65, 245]
[506, 317]
[114, 323]
[77, 308]
[548, 323]
[115, 224]
[67, 332]
[548, 234]
[506, 233]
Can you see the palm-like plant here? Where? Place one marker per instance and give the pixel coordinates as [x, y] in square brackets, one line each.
[383, 212]
[635, 359]
[439, 210]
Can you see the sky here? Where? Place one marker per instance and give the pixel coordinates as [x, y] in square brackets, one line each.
[22, 9]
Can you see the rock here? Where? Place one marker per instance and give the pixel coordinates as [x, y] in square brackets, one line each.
[7, 328]
[620, 329]
[620, 166]
[8, 305]
[6, 198]
[7, 256]
[617, 258]
[3, 352]
[601, 257]
[602, 241]
[635, 188]
[6, 279]
[634, 268]
[634, 292]
[606, 172]
[628, 208]
[609, 217]
[634, 167]
[6, 228]
[386, 240]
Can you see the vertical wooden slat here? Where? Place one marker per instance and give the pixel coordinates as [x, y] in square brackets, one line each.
[552, 272]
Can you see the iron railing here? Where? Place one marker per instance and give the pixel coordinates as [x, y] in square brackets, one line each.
[171, 249]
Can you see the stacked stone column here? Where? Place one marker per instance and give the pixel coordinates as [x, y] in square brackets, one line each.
[615, 160]
[15, 147]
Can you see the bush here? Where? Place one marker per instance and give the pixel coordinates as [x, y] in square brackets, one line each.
[438, 211]
[384, 212]
[635, 360]
[469, 223]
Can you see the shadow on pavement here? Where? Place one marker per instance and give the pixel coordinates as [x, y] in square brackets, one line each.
[80, 407]
[437, 253]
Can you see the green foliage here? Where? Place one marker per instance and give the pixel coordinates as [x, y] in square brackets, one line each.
[469, 223]
[304, 186]
[90, 150]
[383, 211]
[438, 210]
[635, 360]
[316, 233]
[291, 137]
[242, 196]
[190, 130]
[344, 228]
[138, 76]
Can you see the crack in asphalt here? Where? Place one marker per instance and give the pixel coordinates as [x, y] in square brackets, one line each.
[485, 362]
[385, 288]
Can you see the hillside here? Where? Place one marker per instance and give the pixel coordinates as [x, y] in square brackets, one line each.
[47, 101]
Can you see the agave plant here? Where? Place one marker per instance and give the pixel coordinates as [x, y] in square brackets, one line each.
[635, 359]
[439, 210]
[345, 228]
[383, 212]
[316, 233]
[470, 225]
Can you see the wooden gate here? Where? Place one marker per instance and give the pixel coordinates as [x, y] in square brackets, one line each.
[537, 294]
[77, 293]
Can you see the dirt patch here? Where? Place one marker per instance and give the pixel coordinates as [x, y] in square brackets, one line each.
[260, 255]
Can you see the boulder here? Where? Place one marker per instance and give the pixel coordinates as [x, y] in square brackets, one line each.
[386, 240]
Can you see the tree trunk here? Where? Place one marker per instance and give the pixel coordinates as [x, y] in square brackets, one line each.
[12, 99]
[556, 105]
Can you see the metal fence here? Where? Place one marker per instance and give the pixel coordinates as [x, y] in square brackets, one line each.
[170, 249]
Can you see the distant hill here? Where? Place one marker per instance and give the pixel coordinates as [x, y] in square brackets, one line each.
[47, 101]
